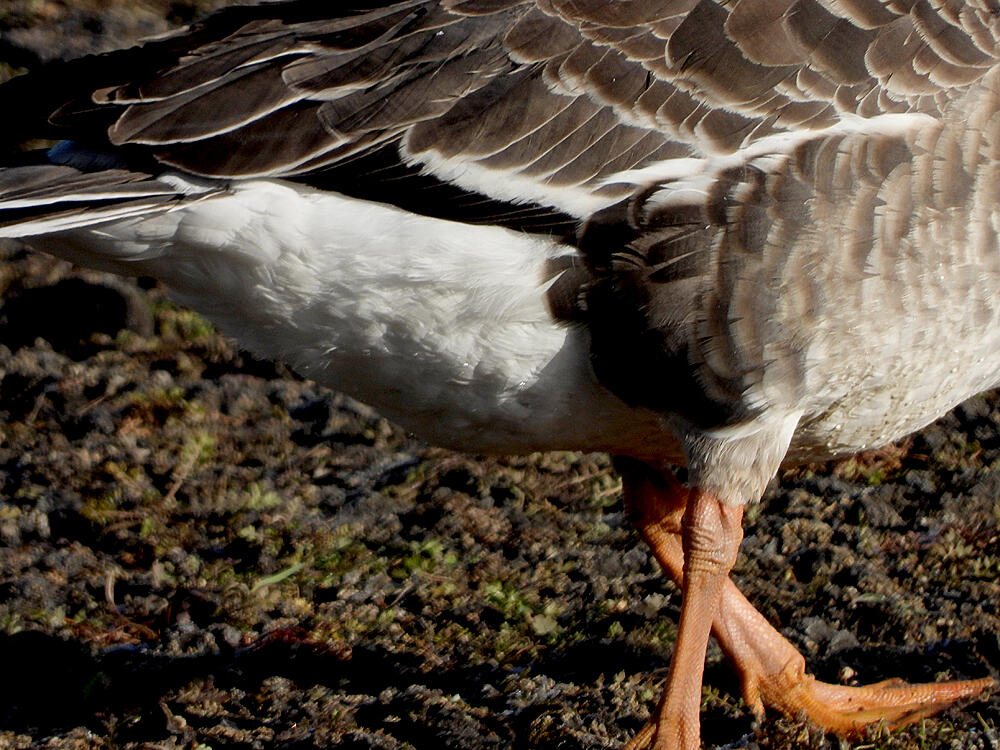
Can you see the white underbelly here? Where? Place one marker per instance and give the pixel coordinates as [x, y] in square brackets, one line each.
[443, 327]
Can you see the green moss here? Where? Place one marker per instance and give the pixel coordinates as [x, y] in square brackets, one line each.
[615, 630]
[255, 497]
[198, 449]
[508, 600]
[660, 633]
[11, 622]
[151, 528]
[424, 555]
[100, 510]
[855, 468]
[8, 71]
[179, 323]
[511, 640]
[959, 454]
[606, 490]
[336, 554]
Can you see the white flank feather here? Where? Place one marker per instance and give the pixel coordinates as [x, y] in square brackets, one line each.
[441, 326]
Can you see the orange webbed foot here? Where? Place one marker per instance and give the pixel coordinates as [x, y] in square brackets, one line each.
[846, 710]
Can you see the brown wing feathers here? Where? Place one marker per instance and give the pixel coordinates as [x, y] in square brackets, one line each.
[561, 92]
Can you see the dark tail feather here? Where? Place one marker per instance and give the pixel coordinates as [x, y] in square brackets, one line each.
[46, 198]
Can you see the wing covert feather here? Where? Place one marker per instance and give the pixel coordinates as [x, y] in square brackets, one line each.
[553, 94]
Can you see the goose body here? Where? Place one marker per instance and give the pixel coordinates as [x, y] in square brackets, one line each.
[734, 235]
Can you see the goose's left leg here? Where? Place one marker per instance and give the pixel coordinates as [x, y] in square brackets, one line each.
[711, 535]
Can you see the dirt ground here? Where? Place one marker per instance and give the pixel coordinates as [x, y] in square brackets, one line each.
[201, 550]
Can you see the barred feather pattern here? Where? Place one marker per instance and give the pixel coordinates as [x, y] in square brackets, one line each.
[564, 92]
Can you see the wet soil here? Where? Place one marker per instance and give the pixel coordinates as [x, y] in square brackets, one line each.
[199, 549]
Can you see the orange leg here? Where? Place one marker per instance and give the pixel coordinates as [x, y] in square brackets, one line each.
[711, 535]
[772, 671]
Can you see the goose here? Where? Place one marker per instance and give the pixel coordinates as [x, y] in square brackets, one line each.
[730, 235]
